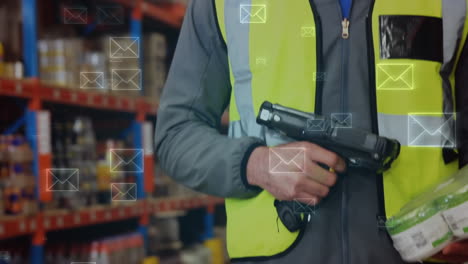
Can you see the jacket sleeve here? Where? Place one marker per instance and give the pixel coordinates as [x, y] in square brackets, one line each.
[189, 145]
[461, 95]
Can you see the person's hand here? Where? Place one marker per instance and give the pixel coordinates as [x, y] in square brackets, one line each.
[309, 183]
[456, 253]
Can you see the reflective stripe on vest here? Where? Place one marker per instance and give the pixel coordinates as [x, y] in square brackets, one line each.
[271, 58]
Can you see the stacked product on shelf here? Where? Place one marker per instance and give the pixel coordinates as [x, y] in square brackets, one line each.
[75, 148]
[92, 72]
[155, 53]
[126, 248]
[14, 254]
[60, 61]
[17, 183]
[124, 73]
[66, 62]
[164, 241]
[10, 70]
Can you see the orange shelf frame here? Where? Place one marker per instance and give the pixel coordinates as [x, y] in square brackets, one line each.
[168, 13]
[62, 95]
[14, 226]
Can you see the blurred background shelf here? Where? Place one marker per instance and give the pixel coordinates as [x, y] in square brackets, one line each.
[51, 120]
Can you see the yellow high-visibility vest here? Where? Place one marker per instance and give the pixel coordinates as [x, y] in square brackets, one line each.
[256, 31]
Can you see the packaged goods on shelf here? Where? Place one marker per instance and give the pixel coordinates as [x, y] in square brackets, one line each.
[220, 233]
[216, 247]
[127, 248]
[96, 162]
[163, 234]
[13, 70]
[74, 164]
[10, 70]
[60, 61]
[123, 67]
[2, 60]
[92, 72]
[154, 78]
[14, 254]
[433, 219]
[154, 65]
[155, 46]
[17, 183]
[196, 254]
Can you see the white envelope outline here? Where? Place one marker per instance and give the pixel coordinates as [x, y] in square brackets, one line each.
[105, 15]
[119, 191]
[382, 221]
[315, 124]
[342, 120]
[118, 162]
[92, 80]
[306, 208]
[385, 78]
[296, 163]
[307, 32]
[439, 138]
[251, 14]
[131, 83]
[72, 179]
[320, 76]
[124, 47]
[260, 60]
[75, 15]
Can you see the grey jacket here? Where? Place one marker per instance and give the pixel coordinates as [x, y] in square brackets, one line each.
[192, 150]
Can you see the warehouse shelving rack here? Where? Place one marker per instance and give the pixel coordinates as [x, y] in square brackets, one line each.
[38, 136]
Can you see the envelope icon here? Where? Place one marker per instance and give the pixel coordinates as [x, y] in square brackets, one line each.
[307, 32]
[382, 221]
[306, 208]
[124, 48]
[315, 124]
[319, 76]
[426, 130]
[287, 160]
[75, 15]
[395, 76]
[91, 80]
[253, 14]
[342, 120]
[62, 180]
[110, 15]
[123, 192]
[126, 160]
[126, 79]
[260, 61]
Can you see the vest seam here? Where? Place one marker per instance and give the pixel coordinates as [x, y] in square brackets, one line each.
[200, 90]
[218, 28]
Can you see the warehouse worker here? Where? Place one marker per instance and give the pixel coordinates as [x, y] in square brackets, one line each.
[379, 61]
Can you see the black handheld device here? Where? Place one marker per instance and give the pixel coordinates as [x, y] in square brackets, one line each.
[358, 147]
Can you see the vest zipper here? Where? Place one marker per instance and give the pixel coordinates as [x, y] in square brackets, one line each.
[345, 28]
[373, 103]
[343, 108]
